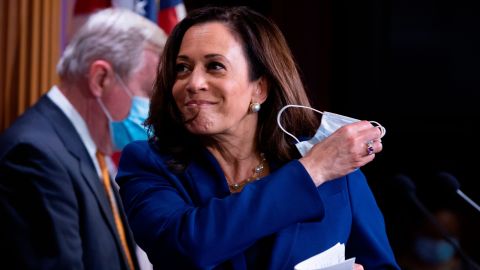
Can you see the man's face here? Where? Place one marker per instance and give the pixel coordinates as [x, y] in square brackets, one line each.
[140, 83]
[142, 80]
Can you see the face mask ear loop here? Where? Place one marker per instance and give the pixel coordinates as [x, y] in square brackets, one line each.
[382, 129]
[124, 85]
[290, 106]
[104, 109]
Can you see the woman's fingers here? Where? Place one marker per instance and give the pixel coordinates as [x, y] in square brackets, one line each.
[357, 267]
[347, 149]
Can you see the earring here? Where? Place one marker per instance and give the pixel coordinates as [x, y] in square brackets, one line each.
[254, 107]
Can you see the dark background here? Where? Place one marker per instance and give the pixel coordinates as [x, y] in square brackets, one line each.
[413, 66]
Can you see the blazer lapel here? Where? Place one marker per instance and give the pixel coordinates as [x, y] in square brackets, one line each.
[206, 178]
[73, 143]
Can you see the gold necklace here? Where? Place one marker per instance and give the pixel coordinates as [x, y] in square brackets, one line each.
[257, 173]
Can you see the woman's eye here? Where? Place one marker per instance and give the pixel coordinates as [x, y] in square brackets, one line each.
[181, 68]
[215, 66]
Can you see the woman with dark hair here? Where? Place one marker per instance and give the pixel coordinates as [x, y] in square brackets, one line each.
[219, 185]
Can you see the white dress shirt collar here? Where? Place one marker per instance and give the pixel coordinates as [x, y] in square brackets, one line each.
[57, 97]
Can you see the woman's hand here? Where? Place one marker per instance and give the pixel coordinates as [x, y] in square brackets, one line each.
[347, 149]
[357, 267]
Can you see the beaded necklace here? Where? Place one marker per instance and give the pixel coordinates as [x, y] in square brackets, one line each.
[257, 173]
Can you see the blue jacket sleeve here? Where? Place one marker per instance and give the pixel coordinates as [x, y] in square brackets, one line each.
[176, 232]
[368, 240]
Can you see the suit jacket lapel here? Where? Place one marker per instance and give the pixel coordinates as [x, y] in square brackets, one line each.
[73, 143]
[128, 233]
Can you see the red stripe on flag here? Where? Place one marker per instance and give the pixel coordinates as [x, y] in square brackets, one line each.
[89, 6]
[167, 19]
[116, 158]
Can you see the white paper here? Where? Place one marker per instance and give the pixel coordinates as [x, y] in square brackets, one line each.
[330, 259]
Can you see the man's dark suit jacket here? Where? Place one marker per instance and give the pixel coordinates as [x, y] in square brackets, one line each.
[54, 213]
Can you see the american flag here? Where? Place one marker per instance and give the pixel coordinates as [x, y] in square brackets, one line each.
[171, 12]
[166, 13]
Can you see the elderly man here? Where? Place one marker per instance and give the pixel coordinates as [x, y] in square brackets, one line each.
[58, 207]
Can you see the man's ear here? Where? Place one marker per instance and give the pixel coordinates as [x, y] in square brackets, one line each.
[100, 77]
[261, 92]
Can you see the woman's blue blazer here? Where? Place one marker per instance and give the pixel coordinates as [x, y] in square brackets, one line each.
[189, 219]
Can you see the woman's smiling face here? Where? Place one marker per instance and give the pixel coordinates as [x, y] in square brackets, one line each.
[212, 88]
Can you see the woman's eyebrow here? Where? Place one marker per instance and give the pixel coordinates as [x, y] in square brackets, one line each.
[214, 55]
[208, 56]
[182, 57]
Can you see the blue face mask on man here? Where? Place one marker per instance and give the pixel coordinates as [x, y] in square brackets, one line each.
[131, 128]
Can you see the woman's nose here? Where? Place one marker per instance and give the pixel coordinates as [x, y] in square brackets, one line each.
[197, 80]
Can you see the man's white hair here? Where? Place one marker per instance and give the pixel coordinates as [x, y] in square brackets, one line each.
[115, 35]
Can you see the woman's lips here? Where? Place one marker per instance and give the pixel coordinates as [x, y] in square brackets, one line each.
[195, 103]
[193, 108]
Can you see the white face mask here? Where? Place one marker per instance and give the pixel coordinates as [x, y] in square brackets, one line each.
[330, 123]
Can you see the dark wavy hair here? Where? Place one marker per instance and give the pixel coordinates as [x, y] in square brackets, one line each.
[267, 54]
